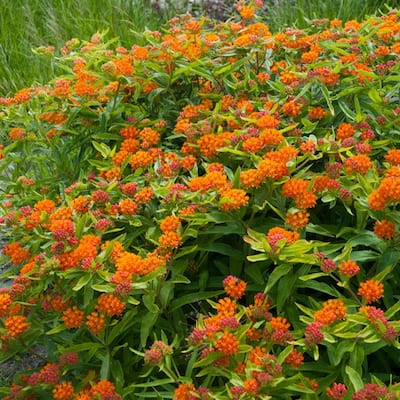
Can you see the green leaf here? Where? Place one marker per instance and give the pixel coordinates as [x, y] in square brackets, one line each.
[312, 276]
[276, 274]
[336, 355]
[83, 281]
[105, 367]
[146, 326]
[149, 302]
[374, 95]
[391, 312]
[325, 93]
[193, 298]
[354, 378]
[285, 289]
[57, 329]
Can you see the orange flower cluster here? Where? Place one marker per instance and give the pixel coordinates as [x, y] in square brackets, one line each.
[227, 343]
[16, 253]
[297, 220]
[277, 233]
[234, 287]
[129, 264]
[5, 303]
[387, 192]
[232, 199]
[63, 391]
[348, 268]
[298, 189]
[384, 229]
[110, 305]
[144, 195]
[270, 168]
[170, 224]
[316, 113]
[81, 204]
[210, 144]
[95, 322]
[371, 290]
[16, 325]
[127, 207]
[393, 156]
[251, 178]
[212, 180]
[333, 310]
[185, 391]
[344, 131]
[360, 163]
[170, 239]
[73, 317]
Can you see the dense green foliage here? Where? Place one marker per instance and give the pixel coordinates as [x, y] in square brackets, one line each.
[213, 214]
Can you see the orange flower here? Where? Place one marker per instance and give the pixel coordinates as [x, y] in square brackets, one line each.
[371, 290]
[277, 233]
[95, 322]
[256, 355]
[344, 131]
[288, 77]
[170, 239]
[17, 133]
[149, 138]
[81, 204]
[393, 156]
[252, 144]
[271, 136]
[291, 108]
[251, 178]
[184, 392]
[227, 344]
[170, 224]
[63, 391]
[268, 168]
[360, 163]
[316, 113]
[246, 12]
[127, 207]
[279, 323]
[16, 253]
[348, 268]
[297, 220]
[45, 205]
[103, 388]
[16, 325]
[5, 303]
[384, 229]
[231, 199]
[73, 317]
[294, 359]
[210, 143]
[226, 307]
[144, 195]
[234, 287]
[140, 159]
[332, 310]
[110, 305]
[251, 386]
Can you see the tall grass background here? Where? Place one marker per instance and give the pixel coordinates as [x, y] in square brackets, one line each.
[28, 24]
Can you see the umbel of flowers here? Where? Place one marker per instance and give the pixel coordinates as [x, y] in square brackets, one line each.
[211, 213]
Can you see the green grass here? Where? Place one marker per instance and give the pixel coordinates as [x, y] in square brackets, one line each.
[299, 13]
[27, 24]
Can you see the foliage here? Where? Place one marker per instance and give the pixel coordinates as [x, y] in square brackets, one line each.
[211, 214]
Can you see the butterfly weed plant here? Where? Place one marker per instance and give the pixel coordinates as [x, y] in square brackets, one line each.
[211, 214]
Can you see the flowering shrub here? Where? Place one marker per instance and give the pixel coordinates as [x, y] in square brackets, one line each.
[214, 158]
